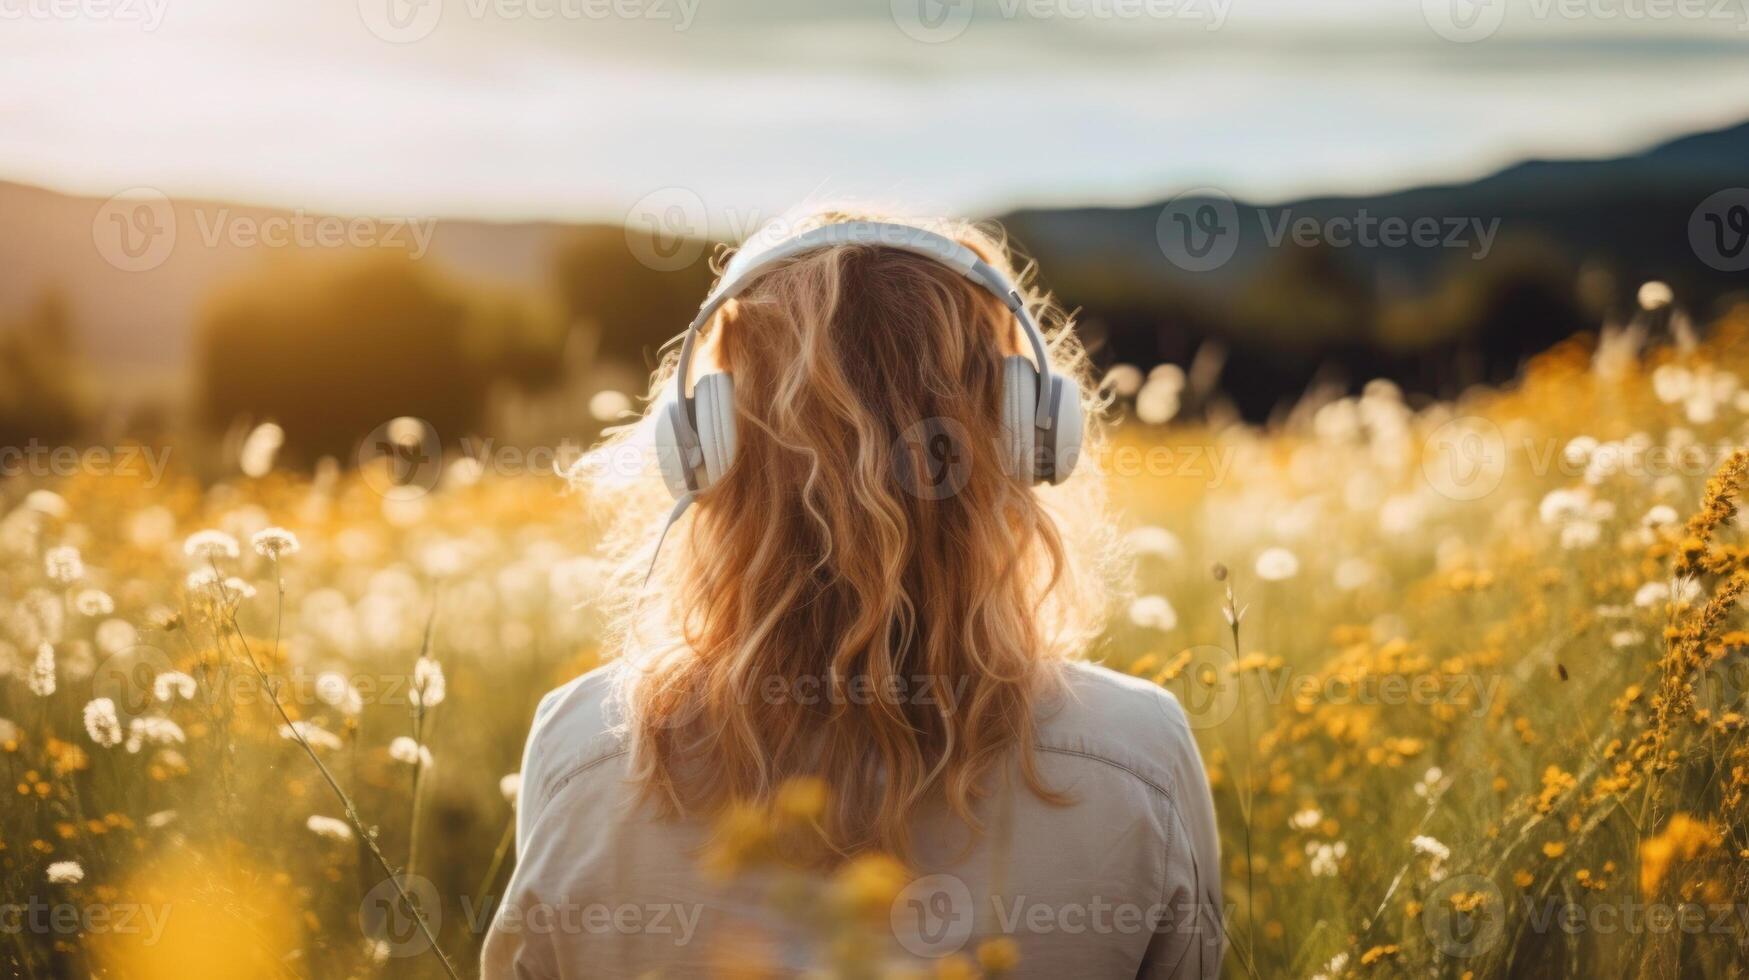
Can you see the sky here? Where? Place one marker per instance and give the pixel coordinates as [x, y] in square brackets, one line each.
[595, 109]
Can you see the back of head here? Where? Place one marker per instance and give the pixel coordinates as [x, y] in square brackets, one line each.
[868, 595]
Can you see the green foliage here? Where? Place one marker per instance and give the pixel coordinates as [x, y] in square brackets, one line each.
[331, 349]
[627, 308]
[45, 391]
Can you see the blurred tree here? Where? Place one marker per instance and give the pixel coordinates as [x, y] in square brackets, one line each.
[45, 386]
[1304, 299]
[1482, 319]
[627, 308]
[331, 348]
[520, 338]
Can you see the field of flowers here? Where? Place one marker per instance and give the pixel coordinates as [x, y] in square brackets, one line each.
[1469, 679]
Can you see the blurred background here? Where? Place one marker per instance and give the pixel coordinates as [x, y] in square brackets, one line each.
[490, 213]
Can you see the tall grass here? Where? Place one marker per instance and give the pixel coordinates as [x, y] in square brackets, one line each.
[1470, 693]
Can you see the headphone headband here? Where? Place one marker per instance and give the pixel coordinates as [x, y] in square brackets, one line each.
[747, 266]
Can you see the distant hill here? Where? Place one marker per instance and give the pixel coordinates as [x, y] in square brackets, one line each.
[1573, 239]
[142, 320]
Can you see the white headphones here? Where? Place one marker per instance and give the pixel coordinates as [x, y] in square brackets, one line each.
[1041, 410]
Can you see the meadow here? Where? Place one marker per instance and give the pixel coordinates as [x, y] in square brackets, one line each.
[1469, 682]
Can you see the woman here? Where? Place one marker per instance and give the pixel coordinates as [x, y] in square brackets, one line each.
[869, 597]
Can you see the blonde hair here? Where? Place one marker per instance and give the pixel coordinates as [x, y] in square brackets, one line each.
[822, 614]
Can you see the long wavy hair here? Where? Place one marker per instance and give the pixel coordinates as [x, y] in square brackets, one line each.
[828, 612]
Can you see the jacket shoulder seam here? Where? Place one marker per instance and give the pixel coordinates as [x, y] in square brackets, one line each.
[557, 783]
[1140, 776]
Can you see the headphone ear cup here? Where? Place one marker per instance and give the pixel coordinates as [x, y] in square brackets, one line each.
[1068, 427]
[1019, 403]
[671, 452]
[714, 399]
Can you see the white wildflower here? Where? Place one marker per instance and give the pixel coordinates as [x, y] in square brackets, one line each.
[1153, 612]
[66, 873]
[1154, 541]
[1560, 506]
[115, 635]
[1353, 573]
[1662, 515]
[1609, 459]
[1671, 383]
[210, 544]
[93, 602]
[150, 528]
[1334, 968]
[1431, 847]
[101, 723]
[236, 588]
[1622, 639]
[1122, 380]
[511, 787]
[335, 691]
[1581, 534]
[42, 672]
[202, 579]
[1306, 819]
[173, 684]
[1159, 400]
[445, 558]
[47, 502]
[428, 683]
[310, 732]
[609, 405]
[404, 749]
[1326, 858]
[259, 448]
[1578, 450]
[329, 827]
[1435, 850]
[153, 731]
[274, 543]
[63, 564]
[1700, 407]
[1277, 565]
[1429, 781]
[1651, 594]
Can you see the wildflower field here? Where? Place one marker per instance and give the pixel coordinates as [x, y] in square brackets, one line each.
[1469, 682]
